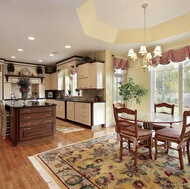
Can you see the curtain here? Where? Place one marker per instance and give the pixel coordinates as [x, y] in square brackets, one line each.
[178, 55]
[120, 63]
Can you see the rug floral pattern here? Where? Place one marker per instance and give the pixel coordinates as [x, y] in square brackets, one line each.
[67, 127]
[94, 164]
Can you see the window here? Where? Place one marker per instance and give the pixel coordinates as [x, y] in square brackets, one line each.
[172, 85]
[74, 86]
[118, 77]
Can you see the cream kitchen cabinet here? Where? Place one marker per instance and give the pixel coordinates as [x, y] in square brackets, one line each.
[7, 90]
[97, 75]
[71, 111]
[98, 113]
[90, 114]
[90, 76]
[54, 81]
[60, 109]
[83, 113]
[51, 81]
[83, 70]
[47, 82]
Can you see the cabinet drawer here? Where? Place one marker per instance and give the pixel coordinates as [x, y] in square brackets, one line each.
[36, 116]
[35, 122]
[35, 132]
[36, 110]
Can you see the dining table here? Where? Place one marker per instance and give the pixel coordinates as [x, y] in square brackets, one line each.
[148, 119]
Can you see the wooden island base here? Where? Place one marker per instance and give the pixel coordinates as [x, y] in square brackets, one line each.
[31, 121]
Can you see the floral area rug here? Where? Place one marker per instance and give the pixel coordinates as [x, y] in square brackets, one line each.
[94, 164]
[67, 127]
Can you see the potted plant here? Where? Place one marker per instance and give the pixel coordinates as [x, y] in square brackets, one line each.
[24, 84]
[130, 91]
[39, 70]
[10, 67]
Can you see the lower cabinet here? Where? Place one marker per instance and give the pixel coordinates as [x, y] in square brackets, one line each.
[71, 111]
[83, 113]
[90, 114]
[60, 109]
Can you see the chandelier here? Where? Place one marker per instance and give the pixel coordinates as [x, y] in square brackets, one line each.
[145, 58]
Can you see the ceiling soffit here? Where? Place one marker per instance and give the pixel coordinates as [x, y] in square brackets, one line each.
[95, 28]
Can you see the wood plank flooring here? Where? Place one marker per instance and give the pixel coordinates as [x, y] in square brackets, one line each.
[17, 172]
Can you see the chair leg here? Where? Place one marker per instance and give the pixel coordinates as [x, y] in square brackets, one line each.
[135, 155]
[156, 148]
[150, 147]
[181, 158]
[121, 148]
[188, 155]
[167, 146]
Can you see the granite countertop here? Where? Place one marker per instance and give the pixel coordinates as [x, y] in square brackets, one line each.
[77, 100]
[27, 103]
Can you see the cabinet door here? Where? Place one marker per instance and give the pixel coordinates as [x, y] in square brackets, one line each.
[60, 110]
[41, 90]
[99, 113]
[47, 82]
[83, 70]
[71, 111]
[97, 75]
[7, 90]
[83, 113]
[83, 83]
[54, 81]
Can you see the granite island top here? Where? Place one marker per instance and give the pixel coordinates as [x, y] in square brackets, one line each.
[76, 100]
[27, 103]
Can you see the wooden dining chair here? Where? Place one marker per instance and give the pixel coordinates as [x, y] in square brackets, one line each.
[164, 108]
[117, 105]
[180, 137]
[130, 132]
[5, 120]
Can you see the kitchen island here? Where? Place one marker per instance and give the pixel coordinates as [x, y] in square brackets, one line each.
[31, 120]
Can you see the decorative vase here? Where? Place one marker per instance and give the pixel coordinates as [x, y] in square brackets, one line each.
[24, 95]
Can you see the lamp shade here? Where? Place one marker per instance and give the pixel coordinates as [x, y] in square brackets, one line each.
[157, 51]
[131, 52]
[148, 56]
[143, 50]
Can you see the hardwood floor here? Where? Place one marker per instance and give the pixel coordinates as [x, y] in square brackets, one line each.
[17, 172]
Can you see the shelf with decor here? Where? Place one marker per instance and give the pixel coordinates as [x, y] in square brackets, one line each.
[18, 76]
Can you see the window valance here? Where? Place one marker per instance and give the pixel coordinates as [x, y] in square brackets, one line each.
[120, 63]
[178, 55]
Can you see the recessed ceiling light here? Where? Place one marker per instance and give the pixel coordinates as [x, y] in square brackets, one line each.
[39, 60]
[20, 50]
[67, 46]
[51, 54]
[13, 56]
[31, 38]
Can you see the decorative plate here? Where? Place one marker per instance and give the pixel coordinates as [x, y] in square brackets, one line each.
[25, 72]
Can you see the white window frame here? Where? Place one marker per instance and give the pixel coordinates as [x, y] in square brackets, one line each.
[180, 91]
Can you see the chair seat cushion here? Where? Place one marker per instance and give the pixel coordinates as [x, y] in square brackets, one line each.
[169, 132]
[141, 132]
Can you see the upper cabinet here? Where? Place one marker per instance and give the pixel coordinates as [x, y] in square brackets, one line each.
[51, 81]
[90, 75]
